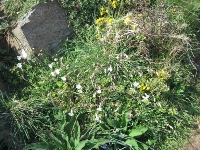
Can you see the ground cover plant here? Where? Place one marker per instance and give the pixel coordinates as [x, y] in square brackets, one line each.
[127, 80]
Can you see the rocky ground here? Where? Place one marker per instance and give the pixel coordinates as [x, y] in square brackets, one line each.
[194, 140]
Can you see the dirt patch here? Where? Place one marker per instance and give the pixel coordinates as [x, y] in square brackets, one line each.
[194, 141]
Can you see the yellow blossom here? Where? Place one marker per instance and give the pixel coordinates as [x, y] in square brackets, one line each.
[102, 8]
[100, 20]
[127, 20]
[163, 75]
[114, 3]
[134, 27]
[144, 87]
[109, 21]
[103, 11]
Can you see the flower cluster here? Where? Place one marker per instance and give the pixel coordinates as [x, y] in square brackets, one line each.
[79, 88]
[162, 75]
[103, 11]
[144, 87]
[103, 22]
[114, 3]
[24, 56]
[56, 72]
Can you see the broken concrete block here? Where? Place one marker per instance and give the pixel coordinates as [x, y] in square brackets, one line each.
[42, 28]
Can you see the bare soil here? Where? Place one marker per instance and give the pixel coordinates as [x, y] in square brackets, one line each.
[194, 141]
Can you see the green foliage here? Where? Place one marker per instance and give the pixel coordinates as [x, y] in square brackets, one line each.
[129, 76]
[20, 8]
[81, 12]
[123, 133]
[68, 136]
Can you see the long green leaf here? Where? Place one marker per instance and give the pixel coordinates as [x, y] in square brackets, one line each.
[59, 141]
[124, 121]
[77, 131]
[69, 127]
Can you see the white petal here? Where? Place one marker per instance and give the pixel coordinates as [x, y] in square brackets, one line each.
[24, 54]
[63, 78]
[78, 86]
[19, 65]
[18, 57]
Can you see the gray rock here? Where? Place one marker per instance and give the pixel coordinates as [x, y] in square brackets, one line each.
[42, 28]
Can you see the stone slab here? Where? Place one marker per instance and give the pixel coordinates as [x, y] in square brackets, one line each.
[42, 28]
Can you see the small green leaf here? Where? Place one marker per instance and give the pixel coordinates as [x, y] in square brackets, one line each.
[113, 123]
[104, 126]
[133, 143]
[138, 131]
[59, 83]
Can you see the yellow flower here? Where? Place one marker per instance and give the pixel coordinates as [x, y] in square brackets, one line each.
[102, 8]
[163, 75]
[109, 21]
[114, 3]
[127, 20]
[103, 11]
[144, 87]
[134, 27]
[99, 20]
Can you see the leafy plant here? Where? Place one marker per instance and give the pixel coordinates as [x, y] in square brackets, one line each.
[123, 133]
[68, 136]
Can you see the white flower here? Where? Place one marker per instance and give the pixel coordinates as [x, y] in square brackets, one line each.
[24, 54]
[136, 84]
[99, 91]
[19, 65]
[78, 86]
[99, 108]
[71, 113]
[110, 69]
[19, 58]
[52, 74]
[55, 59]
[96, 117]
[50, 65]
[159, 104]
[105, 70]
[94, 95]
[125, 55]
[57, 71]
[146, 97]
[80, 91]
[63, 78]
